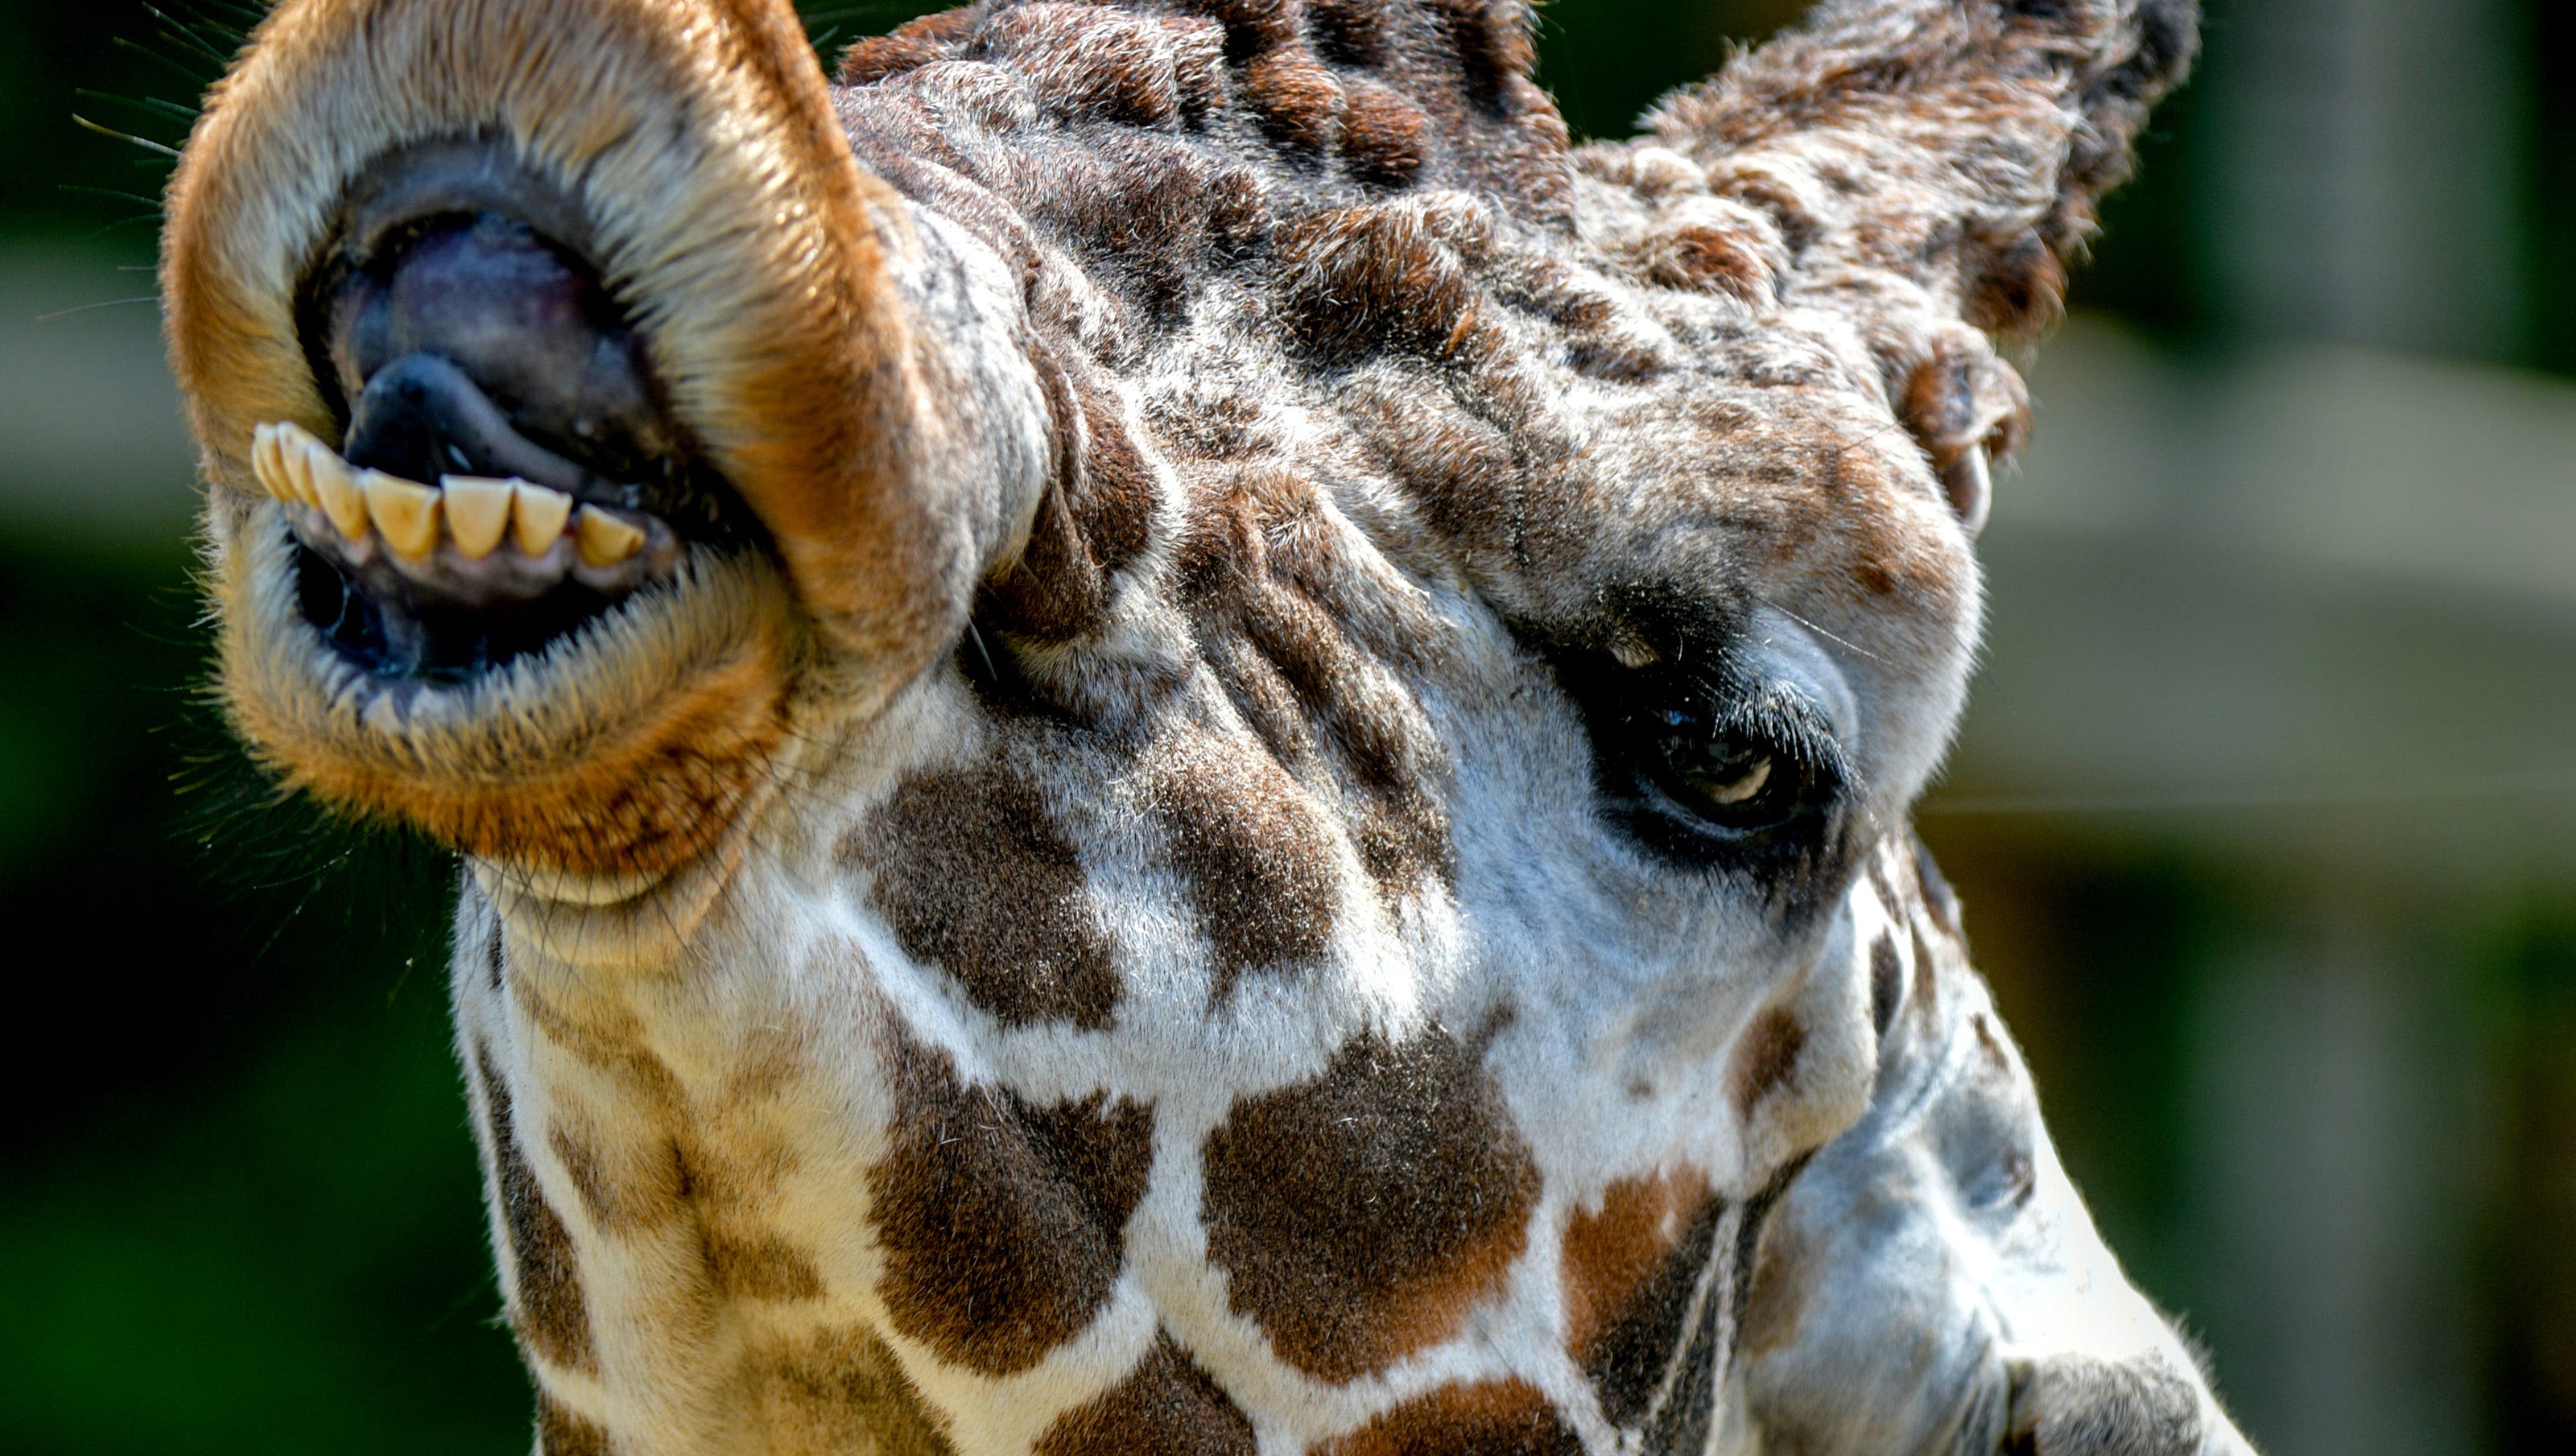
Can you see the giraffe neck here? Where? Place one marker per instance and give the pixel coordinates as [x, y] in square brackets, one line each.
[1043, 1263]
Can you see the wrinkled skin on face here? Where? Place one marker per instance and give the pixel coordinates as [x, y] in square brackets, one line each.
[1167, 735]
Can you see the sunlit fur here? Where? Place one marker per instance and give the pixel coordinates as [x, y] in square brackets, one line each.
[1224, 999]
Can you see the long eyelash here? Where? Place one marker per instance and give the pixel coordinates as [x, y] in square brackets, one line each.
[1793, 724]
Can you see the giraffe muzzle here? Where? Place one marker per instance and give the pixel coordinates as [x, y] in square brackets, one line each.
[487, 372]
[561, 398]
[509, 470]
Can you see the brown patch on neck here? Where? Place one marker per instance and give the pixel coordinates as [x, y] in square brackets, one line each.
[975, 879]
[1610, 1256]
[1360, 1216]
[562, 1433]
[548, 1309]
[1003, 1224]
[841, 1391]
[1494, 1418]
[629, 1188]
[760, 1266]
[608, 1040]
[1167, 1405]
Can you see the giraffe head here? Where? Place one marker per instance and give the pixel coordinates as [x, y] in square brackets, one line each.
[1196, 721]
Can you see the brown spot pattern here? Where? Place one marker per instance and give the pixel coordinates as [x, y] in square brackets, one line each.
[1280, 632]
[1495, 1418]
[1300, 101]
[1626, 1360]
[1360, 279]
[1089, 66]
[974, 877]
[1095, 518]
[1711, 259]
[1385, 137]
[562, 1433]
[1252, 851]
[609, 1043]
[1359, 1216]
[761, 1266]
[844, 1391]
[1252, 26]
[1886, 982]
[550, 1313]
[1003, 1224]
[1167, 1406]
[1766, 1057]
[1610, 1255]
[1349, 32]
[632, 1192]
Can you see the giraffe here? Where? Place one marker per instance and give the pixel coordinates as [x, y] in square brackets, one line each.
[1165, 733]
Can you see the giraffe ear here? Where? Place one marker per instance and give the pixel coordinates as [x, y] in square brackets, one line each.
[1958, 145]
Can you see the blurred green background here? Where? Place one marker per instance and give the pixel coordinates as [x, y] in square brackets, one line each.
[2265, 810]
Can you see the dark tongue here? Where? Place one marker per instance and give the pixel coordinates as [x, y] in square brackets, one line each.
[420, 417]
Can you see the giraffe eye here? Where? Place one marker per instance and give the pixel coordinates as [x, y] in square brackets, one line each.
[1733, 778]
[1708, 763]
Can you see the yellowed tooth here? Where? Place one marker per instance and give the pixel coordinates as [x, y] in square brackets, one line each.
[540, 515]
[267, 464]
[291, 446]
[294, 443]
[603, 539]
[277, 458]
[405, 512]
[332, 485]
[478, 512]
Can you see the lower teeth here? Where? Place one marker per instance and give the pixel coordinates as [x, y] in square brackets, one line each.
[450, 538]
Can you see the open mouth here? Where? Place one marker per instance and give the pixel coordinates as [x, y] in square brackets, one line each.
[449, 580]
[509, 471]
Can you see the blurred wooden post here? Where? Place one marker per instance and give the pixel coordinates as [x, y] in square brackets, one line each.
[2340, 1132]
[2368, 169]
